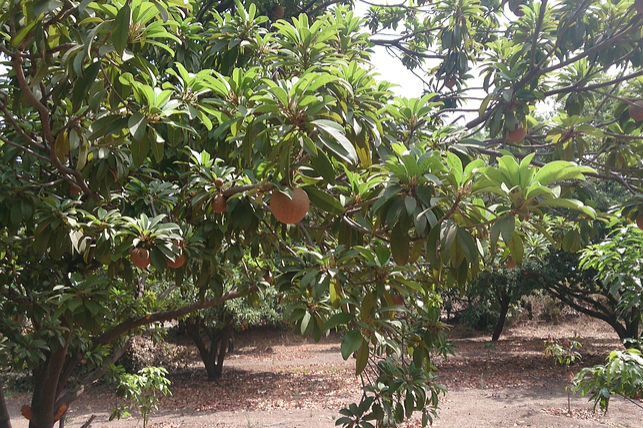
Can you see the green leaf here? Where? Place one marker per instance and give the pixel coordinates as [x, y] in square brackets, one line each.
[561, 170]
[507, 227]
[400, 245]
[410, 203]
[468, 245]
[62, 146]
[432, 248]
[368, 303]
[345, 150]
[80, 88]
[416, 251]
[120, 32]
[351, 343]
[568, 203]
[455, 165]
[516, 248]
[140, 150]
[305, 322]
[362, 358]
[572, 241]
[137, 125]
[16, 215]
[510, 169]
[342, 318]
[323, 166]
[254, 299]
[324, 201]
[22, 33]
[336, 293]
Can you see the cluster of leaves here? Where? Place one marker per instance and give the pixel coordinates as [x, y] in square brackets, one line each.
[141, 390]
[617, 263]
[564, 352]
[621, 375]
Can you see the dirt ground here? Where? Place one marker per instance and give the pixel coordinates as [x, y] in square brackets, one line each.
[274, 379]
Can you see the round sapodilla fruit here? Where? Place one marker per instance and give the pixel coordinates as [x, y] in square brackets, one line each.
[278, 11]
[140, 257]
[517, 135]
[219, 204]
[636, 110]
[639, 221]
[177, 263]
[289, 211]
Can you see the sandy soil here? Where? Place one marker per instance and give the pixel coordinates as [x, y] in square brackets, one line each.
[275, 379]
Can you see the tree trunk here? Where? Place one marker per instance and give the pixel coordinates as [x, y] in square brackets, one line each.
[46, 377]
[5, 420]
[632, 324]
[193, 328]
[211, 363]
[223, 345]
[504, 300]
[500, 325]
[214, 354]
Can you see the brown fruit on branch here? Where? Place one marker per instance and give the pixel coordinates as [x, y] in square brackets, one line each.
[60, 412]
[140, 257]
[26, 412]
[177, 263]
[219, 204]
[278, 11]
[450, 82]
[517, 135]
[636, 111]
[218, 182]
[639, 221]
[511, 264]
[397, 299]
[289, 211]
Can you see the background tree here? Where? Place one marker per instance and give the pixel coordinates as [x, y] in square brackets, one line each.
[599, 280]
[212, 330]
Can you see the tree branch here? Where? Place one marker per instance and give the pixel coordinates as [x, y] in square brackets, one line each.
[72, 395]
[110, 335]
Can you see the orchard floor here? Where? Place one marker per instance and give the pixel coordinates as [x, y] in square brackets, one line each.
[274, 379]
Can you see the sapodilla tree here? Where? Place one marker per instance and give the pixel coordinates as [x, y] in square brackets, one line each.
[143, 108]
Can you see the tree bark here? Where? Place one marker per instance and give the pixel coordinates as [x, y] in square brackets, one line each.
[504, 298]
[193, 326]
[632, 324]
[500, 325]
[5, 420]
[223, 345]
[46, 377]
[213, 355]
